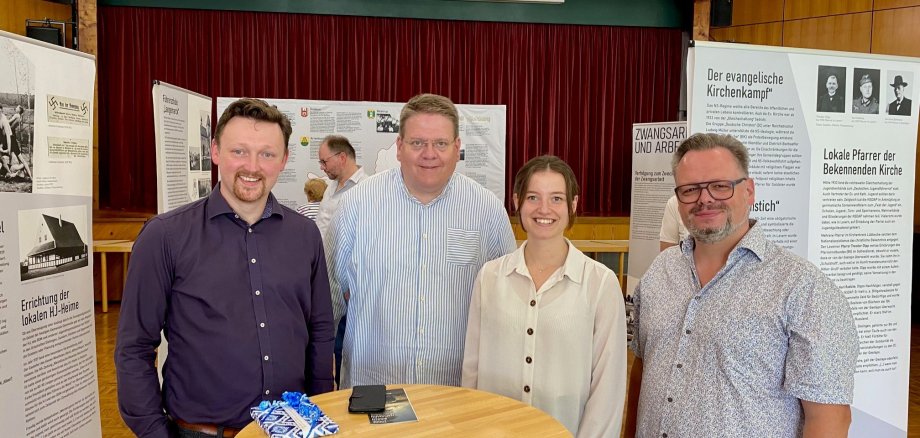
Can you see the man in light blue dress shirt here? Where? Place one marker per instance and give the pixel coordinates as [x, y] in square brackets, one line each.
[407, 244]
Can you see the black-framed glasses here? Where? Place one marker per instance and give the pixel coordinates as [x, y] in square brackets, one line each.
[719, 190]
[324, 162]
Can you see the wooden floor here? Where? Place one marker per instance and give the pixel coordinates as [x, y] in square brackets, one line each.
[114, 427]
[106, 325]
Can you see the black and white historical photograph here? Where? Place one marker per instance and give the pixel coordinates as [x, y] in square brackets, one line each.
[205, 136]
[865, 91]
[17, 119]
[898, 99]
[194, 157]
[204, 187]
[831, 89]
[386, 122]
[52, 240]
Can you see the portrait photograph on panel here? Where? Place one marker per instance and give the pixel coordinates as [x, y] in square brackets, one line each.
[898, 93]
[865, 91]
[831, 89]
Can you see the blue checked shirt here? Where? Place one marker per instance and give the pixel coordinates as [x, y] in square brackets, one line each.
[409, 269]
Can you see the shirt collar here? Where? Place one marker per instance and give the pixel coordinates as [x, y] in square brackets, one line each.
[217, 205]
[573, 267]
[355, 178]
[754, 241]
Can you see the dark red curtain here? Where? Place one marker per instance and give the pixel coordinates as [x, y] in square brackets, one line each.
[570, 90]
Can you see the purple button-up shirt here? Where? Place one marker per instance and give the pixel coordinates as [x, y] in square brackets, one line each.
[246, 311]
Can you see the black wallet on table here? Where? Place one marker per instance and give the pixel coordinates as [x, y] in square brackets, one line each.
[367, 398]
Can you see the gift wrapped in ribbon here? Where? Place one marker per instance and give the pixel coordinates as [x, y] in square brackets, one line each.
[294, 416]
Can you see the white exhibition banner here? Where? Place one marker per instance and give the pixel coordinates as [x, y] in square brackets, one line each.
[372, 127]
[833, 139]
[653, 145]
[182, 125]
[48, 381]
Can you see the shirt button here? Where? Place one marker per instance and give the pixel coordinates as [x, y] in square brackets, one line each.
[670, 399]
[533, 303]
[267, 391]
[266, 358]
[530, 331]
[250, 230]
[238, 216]
[680, 365]
[687, 332]
[421, 331]
[664, 435]
[425, 236]
[253, 260]
[696, 298]
[258, 292]
[262, 324]
[526, 388]
[528, 359]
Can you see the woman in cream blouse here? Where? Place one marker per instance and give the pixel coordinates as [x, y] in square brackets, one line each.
[547, 324]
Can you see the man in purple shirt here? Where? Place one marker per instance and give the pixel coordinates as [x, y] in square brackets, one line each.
[238, 285]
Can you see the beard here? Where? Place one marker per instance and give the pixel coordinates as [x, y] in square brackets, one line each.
[248, 194]
[714, 234]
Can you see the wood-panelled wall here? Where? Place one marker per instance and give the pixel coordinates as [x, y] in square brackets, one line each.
[889, 27]
[14, 13]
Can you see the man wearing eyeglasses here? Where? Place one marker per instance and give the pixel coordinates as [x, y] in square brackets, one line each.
[407, 244]
[735, 335]
[337, 159]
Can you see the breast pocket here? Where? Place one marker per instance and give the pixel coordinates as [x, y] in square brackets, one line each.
[462, 246]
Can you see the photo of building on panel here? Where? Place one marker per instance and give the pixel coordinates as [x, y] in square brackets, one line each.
[52, 241]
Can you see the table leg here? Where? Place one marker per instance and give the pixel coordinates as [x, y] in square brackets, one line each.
[124, 272]
[105, 285]
[622, 257]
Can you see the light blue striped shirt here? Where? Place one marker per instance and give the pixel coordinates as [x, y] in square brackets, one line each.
[409, 269]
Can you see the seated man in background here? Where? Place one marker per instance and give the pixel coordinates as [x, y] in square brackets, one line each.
[237, 283]
[407, 244]
[733, 334]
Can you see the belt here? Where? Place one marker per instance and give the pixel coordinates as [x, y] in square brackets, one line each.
[208, 428]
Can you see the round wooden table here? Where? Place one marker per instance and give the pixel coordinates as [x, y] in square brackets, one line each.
[442, 411]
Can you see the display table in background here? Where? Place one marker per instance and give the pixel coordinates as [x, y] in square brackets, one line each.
[106, 246]
[442, 411]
